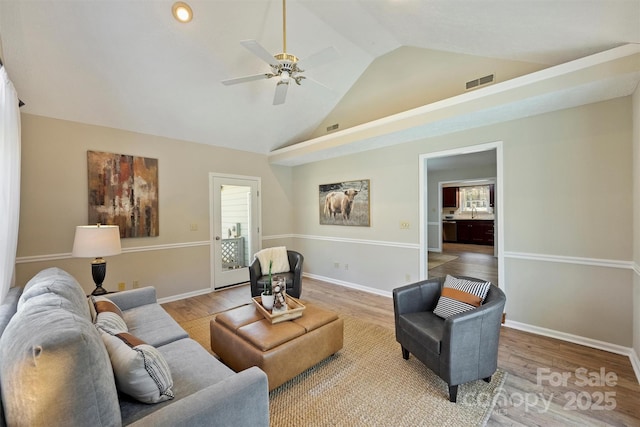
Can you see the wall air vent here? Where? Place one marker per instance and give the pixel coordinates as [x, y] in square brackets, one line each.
[479, 82]
[332, 127]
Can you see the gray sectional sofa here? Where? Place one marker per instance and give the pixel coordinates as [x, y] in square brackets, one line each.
[55, 368]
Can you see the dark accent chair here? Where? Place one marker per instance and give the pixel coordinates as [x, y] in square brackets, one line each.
[293, 277]
[459, 349]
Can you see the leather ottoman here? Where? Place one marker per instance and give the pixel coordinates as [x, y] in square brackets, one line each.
[242, 338]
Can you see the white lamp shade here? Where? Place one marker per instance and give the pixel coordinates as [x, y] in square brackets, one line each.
[93, 241]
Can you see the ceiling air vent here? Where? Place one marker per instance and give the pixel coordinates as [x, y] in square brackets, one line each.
[332, 127]
[479, 82]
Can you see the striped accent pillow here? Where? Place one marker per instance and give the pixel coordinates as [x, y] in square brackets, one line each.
[460, 295]
[109, 317]
[139, 368]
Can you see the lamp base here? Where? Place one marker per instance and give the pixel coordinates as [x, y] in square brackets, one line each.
[99, 290]
[98, 271]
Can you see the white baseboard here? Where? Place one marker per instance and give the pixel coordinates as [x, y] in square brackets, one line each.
[576, 339]
[635, 362]
[375, 291]
[183, 296]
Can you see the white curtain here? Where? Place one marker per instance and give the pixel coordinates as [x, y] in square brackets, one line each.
[9, 181]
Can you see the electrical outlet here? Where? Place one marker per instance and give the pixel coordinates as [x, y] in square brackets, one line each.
[136, 285]
[346, 266]
[407, 277]
[193, 226]
[122, 286]
[404, 225]
[336, 265]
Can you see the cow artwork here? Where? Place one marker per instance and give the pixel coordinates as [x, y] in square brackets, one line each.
[345, 203]
[338, 202]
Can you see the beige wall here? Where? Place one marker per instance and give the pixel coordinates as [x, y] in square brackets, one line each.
[424, 76]
[54, 201]
[567, 202]
[567, 187]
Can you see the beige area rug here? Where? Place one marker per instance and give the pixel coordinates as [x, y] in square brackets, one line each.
[436, 259]
[368, 383]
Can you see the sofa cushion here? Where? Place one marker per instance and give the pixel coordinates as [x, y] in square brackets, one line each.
[152, 324]
[109, 317]
[201, 371]
[140, 370]
[279, 257]
[460, 295]
[56, 281]
[54, 366]
[7, 309]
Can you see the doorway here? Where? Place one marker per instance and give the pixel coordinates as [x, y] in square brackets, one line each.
[431, 197]
[235, 227]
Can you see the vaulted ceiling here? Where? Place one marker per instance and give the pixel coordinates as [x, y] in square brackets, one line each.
[130, 65]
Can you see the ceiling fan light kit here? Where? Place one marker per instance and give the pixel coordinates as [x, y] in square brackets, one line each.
[283, 65]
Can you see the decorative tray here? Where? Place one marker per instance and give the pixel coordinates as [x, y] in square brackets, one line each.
[294, 310]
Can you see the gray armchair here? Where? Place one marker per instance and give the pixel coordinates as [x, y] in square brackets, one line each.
[293, 277]
[458, 349]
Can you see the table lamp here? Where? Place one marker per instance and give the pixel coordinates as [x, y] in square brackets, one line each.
[97, 241]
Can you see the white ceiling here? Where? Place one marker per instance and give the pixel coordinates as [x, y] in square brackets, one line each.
[130, 65]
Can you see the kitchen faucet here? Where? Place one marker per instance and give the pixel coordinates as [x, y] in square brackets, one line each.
[474, 211]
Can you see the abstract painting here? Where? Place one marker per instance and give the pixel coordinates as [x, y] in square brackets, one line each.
[123, 191]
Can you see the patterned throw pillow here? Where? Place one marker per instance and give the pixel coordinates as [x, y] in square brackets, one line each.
[109, 317]
[460, 295]
[139, 368]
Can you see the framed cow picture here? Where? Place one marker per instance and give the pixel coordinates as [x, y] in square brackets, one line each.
[345, 203]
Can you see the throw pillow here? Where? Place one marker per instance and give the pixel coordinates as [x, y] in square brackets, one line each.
[460, 295]
[279, 257]
[109, 317]
[139, 368]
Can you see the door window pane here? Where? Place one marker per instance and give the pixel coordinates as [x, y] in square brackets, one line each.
[235, 204]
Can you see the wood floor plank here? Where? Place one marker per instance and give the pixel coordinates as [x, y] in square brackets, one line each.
[526, 399]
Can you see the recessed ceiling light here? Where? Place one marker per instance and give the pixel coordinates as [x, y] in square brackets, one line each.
[182, 11]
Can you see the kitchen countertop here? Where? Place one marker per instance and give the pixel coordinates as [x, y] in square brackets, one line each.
[468, 218]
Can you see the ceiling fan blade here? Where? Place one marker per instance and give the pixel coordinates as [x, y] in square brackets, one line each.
[246, 79]
[259, 51]
[281, 93]
[319, 58]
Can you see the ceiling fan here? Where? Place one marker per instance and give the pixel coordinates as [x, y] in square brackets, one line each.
[285, 66]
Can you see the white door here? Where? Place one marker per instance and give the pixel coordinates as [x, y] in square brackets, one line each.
[235, 227]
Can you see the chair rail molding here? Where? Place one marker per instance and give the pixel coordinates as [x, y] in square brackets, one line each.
[67, 255]
[594, 262]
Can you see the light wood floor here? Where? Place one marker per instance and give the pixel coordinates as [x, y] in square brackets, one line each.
[473, 261]
[579, 401]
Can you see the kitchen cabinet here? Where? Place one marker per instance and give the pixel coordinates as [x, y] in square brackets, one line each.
[479, 232]
[450, 197]
[492, 195]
